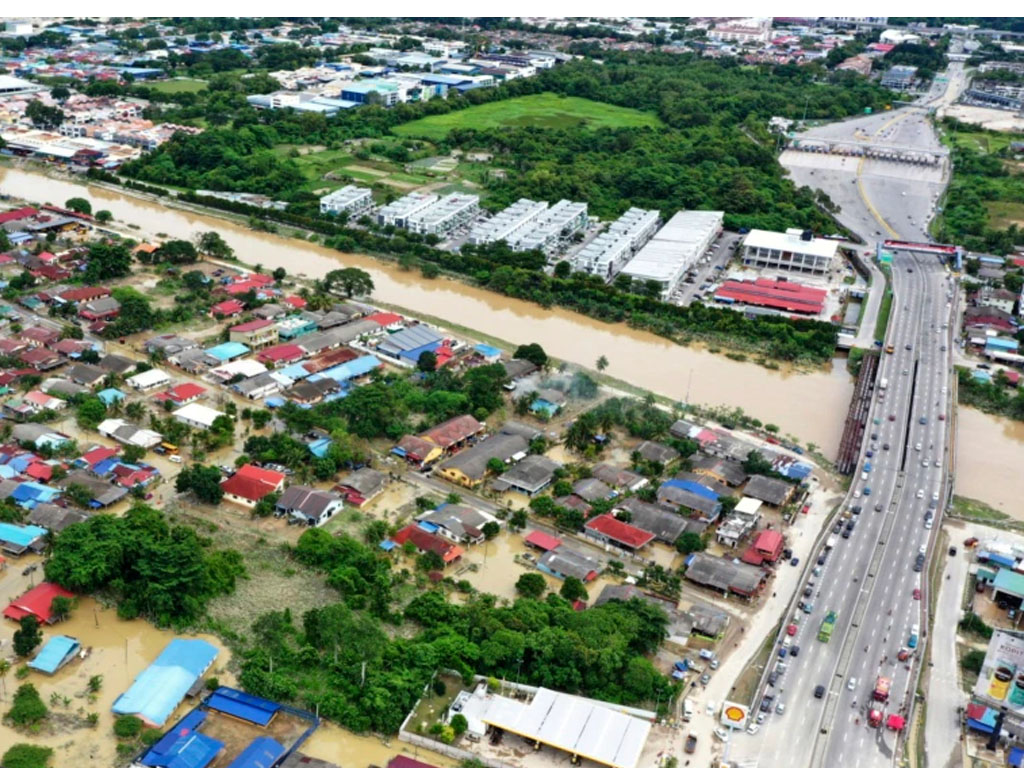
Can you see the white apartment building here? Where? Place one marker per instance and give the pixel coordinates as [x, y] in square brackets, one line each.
[507, 224]
[675, 248]
[608, 253]
[792, 250]
[350, 199]
[448, 213]
[742, 31]
[400, 210]
[560, 221]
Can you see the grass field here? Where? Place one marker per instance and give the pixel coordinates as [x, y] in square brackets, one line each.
[983, 141]
[183, 85]
[542, 110]
[1002, 214]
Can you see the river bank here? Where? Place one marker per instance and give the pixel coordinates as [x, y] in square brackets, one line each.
[809, 405]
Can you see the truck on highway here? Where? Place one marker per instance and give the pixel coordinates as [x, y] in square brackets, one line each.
[827, 625]
[882, 686]
[830, 542]
[883, 384]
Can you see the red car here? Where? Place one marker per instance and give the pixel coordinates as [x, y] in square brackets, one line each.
[942, 417]
[917, 594]
[903, 655]
[892, 417]
[791, 630]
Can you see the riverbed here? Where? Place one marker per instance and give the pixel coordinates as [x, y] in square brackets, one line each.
[808, 405]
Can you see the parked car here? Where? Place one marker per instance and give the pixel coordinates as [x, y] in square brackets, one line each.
[691, 744]
[794, 561]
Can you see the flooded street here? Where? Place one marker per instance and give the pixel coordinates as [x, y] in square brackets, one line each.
[641, 358]
[119, 651]
[990, 450]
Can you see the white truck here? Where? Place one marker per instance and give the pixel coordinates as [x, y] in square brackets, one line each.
[883, 384]
[830, 542]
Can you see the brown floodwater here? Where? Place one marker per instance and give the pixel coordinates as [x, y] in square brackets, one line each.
[989, 455]
[811, 406]
[119, 651]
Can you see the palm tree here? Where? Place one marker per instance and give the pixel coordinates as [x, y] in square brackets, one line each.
[602, 363]
[135, 410]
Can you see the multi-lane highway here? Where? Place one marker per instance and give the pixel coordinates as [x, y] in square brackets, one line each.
[869, 579]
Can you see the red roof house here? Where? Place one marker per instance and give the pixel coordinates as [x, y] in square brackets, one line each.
[281, 354]
[39, 336]
[775, 294]
[448, 551]
[451, 433]
[296, 301]
[98, 454]
[36, 602]
[385, 319]
[183, 394]
[544, 541]
[17, 215]
[85, 293]
[250, 484]
[229, 308]
[768, 544]
[608, 528]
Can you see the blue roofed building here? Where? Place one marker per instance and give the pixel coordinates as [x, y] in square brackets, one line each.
[263, 752]
[57, 652]
[242, 705]
[692, 487]
[353, 369]
[407, 345]
[1000, 344]
[183, 746]
[368, 91]
[229, 350]
[294, 326]
[162, 685]
[110, 396]
[488, 353]
[28, 495]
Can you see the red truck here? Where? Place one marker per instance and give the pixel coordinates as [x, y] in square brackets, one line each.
[882, 686]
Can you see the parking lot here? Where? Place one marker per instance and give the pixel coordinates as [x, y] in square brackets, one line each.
[701, 279]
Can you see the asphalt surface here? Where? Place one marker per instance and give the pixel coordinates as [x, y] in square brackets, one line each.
[869, 578]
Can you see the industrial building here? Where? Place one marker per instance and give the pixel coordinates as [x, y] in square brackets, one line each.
[448, 213]
[558, 222]
[507, 224]
[773, 294]
[675, 248]
[608, 253]
[349, 199]
[899, 77]
[794, 250]
[401, 210]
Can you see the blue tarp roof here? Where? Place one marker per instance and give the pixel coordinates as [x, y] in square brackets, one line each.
[295, 371]
[319, 447]
[22, 535]
[53, 654]
[387, 545]
[228, 350]
[274, 402]
[162, 685]
[243, 705]
[261, 753]
[487, 350]
[692, 487]
[350, 370]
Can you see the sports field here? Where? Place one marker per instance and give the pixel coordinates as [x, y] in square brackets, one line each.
[178, 85]
[541, 110]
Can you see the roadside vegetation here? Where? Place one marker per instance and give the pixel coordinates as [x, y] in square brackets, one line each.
[984, 208]
[996, 396]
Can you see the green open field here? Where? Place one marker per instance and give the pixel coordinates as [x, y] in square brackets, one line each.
[1003, 213]
[982, 141]
[184, 85]
[315, 165]
[541, 110]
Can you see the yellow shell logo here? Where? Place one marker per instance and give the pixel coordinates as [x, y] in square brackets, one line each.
[735, 714]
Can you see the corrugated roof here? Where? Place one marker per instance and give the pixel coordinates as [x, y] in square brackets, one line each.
[162, 685]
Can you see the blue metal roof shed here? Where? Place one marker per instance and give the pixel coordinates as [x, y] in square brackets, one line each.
[57, 652]
[162, 685]
[263, 752]
[229, 350]
[244, 706]
[692, 487]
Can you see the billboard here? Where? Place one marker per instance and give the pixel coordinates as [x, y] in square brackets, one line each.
[1001, 681]
[734, 715]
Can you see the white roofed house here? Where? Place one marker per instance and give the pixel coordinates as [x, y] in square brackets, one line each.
[129, 434]
[148, 380]
[197, 415]
[308, 505]
[349, 199]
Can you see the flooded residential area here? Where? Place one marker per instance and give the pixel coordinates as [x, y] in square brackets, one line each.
[370, 397]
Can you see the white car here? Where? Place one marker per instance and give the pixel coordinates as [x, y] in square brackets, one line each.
[174, 458]
[753, 728]
[920, 493]
[710, 709]
[851, 683]
[721, 734]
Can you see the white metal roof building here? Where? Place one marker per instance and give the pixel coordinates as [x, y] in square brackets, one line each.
[350, 198]
[560, 220]
[444, 215]
[606, 254]
[508, 223]
[400, 210]
[792, 250]
[197, 415]
[582, 727]
[150, 379]
[675, 248]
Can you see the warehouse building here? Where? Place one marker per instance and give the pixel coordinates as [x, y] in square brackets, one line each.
[773, 294]
[448, 213]
[794, 250]
[608, 253]
[507, 224]
[399, 212]
[349, 199]
[674, 249]
[557, 223]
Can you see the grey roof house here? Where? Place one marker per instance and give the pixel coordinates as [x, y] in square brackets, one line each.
[530, 476]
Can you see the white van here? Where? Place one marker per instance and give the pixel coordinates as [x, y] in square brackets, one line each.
[687, 710]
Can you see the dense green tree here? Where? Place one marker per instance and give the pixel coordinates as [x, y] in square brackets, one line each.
[572, 589]
[533, 352]
[213, 245]
[79, 205]
[26, 756]
[27, 708]
[531, 584]
[106, 262]
[202, 481]
[28, 636]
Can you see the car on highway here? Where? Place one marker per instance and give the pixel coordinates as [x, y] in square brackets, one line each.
[794, 651]
[870, 454]
[867, 491]
[924, 462]
[920, 493]
[952, 551]
[878, 507]
[808, 590]
[780, 708]
[917, 594]
[892, 417]
[791, 630]
[819, 691]
[903, 655]
[885, 446]
[808, 607]
[874, 435]
[923, 420]
[821, 559]
[917, 446]
[817, 571]
[851, 683]
[714, 664]
[753, 728]
[795, 561]
[942, 417]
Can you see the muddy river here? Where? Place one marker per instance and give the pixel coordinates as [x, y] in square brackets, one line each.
[989, 453]
[811, 406]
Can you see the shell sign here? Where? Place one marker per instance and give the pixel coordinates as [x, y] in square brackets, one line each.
[734, 715]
